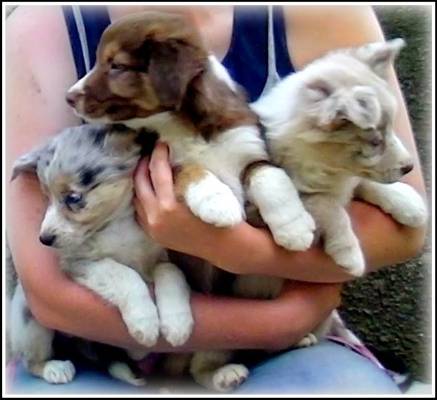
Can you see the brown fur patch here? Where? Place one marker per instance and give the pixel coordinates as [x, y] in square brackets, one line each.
[61, 184]
[187, 175]
[212, 106]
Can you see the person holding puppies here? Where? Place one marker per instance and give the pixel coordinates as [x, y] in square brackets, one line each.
[37, 80]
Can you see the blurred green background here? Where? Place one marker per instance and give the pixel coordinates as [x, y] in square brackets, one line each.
[390, 309]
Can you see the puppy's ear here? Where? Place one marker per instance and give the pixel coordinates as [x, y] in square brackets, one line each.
[322, 105]
[332, 108]
[172, 66]
[379, 56]
[29, 161]
[360, 106]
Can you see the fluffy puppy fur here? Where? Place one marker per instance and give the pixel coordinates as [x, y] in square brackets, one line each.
[152, 70]
[86, 173]
[330, 126]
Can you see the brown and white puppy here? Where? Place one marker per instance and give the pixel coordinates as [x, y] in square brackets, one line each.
[330, 126]
[86, 174]
[152, 70]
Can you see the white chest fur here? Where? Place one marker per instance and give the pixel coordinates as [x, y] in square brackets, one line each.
[225, 155]
[124, 241]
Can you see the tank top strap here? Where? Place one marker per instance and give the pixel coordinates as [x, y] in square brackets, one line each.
[284, 65]
[258, 55]
[85, 25]
[246, 59]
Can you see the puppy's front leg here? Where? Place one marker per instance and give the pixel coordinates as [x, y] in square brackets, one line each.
[398, 199]
[334, 223]
[123, 287]
[173, 300]
[208, 197]
[278, 202]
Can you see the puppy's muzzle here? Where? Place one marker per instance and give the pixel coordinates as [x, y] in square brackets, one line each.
[406, 169]
[73, 98]
[47, 239]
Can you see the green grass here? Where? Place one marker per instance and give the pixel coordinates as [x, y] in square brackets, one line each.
[389, 309]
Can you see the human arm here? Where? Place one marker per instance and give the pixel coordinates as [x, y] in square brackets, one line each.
[312, 31]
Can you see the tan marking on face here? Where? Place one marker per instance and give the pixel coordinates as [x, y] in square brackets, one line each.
[61, 185]
[108, 52]
[103, 201]
[188, 174]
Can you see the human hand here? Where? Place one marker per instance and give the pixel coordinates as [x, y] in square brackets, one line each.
[162, 216]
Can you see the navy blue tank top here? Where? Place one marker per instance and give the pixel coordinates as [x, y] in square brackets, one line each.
[257, 55]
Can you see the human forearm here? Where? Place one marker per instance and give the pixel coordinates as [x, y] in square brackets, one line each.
[244, 249]
[61, 304]
[218, 320]
[383, 241]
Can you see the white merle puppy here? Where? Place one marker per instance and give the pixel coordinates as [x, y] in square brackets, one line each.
[87, 174]
[330, 126]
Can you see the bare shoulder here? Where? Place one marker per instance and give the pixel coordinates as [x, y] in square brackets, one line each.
[39, 70]
[37, 41]
[314, 30]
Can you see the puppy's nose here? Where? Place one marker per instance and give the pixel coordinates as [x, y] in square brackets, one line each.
[48, 239]
[72, 98]
[406, 169]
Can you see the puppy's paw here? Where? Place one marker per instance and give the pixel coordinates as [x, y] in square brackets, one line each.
[307, 341]
[124, 373]
[405, 205]
[143, 325]
[296, 234]
[351, 259]
[229, 377]
[58, 371]
[177, 328]
[214, 202]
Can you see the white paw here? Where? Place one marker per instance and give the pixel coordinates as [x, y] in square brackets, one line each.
[123, 372]
[137, 382]
[350, 258]
[59, 371]
[308, 340]
[214, 202]
[405, 205]
[143, 324]
[295, 234]
[177, 328]
[229, 377]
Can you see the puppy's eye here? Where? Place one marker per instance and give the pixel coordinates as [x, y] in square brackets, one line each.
[375, 142]
[118, 67]
[73, 200]
[112, 109]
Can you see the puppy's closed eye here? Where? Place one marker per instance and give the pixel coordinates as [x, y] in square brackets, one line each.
[119, 67]
[376, 141]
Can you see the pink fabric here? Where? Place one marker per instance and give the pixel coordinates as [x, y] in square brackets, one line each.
[11, 368]
[361, 349]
